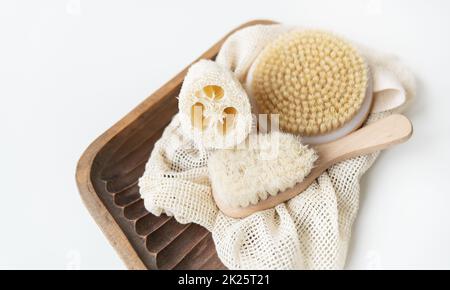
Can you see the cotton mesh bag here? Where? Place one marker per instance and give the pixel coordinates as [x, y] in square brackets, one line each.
[310, 231]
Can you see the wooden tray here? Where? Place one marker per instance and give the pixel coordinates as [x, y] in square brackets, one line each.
[107, 175]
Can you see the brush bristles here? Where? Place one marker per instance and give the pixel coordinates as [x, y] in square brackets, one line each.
[271, 164]
[314, 80]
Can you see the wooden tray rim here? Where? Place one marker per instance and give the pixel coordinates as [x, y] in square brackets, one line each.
[89, 196]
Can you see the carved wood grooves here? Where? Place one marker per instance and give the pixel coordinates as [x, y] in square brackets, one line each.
[107, 176]
[162, 241]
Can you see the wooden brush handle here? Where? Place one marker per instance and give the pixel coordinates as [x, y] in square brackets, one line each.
[377, 136]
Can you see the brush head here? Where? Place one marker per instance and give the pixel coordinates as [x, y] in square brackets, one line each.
[317, 83]
[263, 166]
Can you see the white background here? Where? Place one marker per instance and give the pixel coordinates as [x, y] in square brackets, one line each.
[69, 69]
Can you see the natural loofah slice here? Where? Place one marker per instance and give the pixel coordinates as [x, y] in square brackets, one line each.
[214, 108]
[269, 164]
[317, 82]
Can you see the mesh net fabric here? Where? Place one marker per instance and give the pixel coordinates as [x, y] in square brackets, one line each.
[176, 180]
[310, 231]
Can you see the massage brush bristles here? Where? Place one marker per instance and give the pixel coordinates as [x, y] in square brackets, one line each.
[244, 183]
[214, 108]
[264, 166]
[317, 82]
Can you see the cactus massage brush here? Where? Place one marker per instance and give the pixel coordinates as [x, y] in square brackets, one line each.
[318, 84]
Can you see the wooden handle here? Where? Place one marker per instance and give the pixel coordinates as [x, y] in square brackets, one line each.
[374, 137]
[377, 136]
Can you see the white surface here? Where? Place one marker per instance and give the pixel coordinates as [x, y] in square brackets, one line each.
[70, 69]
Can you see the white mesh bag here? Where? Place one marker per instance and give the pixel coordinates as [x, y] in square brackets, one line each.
[310, 231]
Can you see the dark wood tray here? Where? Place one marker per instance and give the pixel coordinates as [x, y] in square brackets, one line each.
[107, 175]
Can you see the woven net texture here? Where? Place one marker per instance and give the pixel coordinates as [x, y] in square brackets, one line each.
[310, 231]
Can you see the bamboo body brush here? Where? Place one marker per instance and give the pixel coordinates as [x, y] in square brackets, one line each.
[377, 136]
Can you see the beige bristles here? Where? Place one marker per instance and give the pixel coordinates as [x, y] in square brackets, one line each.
[314, 80]
[267, 165]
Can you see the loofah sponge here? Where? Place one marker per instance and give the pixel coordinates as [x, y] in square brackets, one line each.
[268, 164]
[214, 107]
[317, 82]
